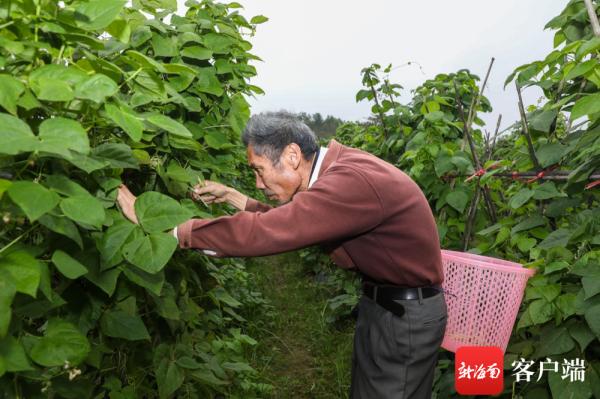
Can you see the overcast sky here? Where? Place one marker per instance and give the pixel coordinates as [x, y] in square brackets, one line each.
[313, 51]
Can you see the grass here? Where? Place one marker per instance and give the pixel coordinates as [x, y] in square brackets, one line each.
[299, 352]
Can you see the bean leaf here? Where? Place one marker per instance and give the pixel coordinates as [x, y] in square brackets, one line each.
[150, 252]
[24, 270]
[14, 355]
[98, 14]
[10, 91]
[34, 199]
[170, 125]
[126, 121]
[64, 133]
[83, 209]
[457, 200]
[587, 105]
[68, 266]
[120, 324]
[63, 342]
[15, 136]
[157, 212]
[96, 88]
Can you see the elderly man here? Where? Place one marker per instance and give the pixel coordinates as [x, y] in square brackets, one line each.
[369, 215]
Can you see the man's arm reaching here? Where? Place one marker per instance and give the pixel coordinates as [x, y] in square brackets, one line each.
[340, 205]
[212, 192]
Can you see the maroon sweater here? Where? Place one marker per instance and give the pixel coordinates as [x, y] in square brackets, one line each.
[367, 213]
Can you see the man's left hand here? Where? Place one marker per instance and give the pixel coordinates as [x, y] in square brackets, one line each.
[126, 201]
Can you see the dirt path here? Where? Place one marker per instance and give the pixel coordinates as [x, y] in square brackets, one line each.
[299, 353]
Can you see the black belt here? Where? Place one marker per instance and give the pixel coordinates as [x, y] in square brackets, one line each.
[385, 295]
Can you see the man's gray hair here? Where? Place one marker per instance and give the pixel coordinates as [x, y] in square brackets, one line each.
[270, 132]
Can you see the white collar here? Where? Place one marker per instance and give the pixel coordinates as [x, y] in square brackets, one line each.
[319, 161]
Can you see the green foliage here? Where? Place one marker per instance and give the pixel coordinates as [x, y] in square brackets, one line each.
[95, 93]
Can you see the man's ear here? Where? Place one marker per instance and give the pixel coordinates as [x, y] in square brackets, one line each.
[293, 155]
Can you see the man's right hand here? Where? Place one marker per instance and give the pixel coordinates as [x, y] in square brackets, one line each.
[217, 193]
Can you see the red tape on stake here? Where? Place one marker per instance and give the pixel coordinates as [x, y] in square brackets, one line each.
[482, 171]
[479, 173]
[542, 174]
[592, 184]
[537, 177]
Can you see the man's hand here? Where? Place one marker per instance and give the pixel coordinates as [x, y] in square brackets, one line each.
[126, 201]
[217, 193]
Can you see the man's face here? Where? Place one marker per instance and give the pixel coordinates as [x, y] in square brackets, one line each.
[280, 182]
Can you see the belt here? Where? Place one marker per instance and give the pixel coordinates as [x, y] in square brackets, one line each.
[385, 295]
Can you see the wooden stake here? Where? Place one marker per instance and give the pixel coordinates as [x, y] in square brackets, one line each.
[471, 217]
[495, 135]
[593, 17]
[467, 133]
[466, 126]
[525, 129]
[557, 175]
[473, 109]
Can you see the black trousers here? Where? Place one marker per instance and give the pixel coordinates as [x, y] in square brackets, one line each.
[395, 357]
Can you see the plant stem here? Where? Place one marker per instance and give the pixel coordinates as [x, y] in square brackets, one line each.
[570, 122]
[133, 75]
[471, 217]
[387, 86]
[10, 244]
[60, 54]
[38, 10]
[381, 116]
[9, 23]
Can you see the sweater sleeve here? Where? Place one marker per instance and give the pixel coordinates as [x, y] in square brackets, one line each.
[341, 204]
[253, 205]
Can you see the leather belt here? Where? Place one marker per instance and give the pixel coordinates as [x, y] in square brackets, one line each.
[385, 295]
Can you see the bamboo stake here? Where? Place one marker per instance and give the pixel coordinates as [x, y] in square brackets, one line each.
[467, 132]
[558, 176]
[593, 17]
[466, 126]
[525, 129]
[477, 99]
[495, 136]
[491, 153]
[473, 109]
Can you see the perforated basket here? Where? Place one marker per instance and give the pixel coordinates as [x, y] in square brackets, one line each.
[483, 295]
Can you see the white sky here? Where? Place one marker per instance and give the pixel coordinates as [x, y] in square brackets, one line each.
[313, 51]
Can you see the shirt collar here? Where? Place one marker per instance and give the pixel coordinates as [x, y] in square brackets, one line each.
[319, 161]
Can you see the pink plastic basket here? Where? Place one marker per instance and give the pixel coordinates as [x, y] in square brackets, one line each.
[483, 295]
